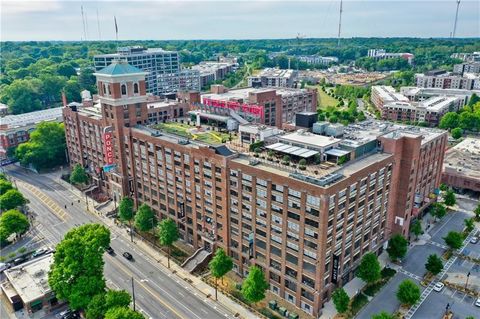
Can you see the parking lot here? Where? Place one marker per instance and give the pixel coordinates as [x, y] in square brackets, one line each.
[453, 221]
[417, 256]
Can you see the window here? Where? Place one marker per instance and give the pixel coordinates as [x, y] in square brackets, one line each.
[135, 88]
[124, 89]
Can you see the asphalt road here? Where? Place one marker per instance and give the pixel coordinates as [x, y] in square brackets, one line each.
[159, 293]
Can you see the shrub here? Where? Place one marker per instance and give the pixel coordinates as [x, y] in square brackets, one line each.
[358, 302]
[388, 272]
[22, 250]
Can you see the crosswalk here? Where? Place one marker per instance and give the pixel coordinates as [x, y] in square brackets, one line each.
[54, 207]
[409, 274]
[438, 245]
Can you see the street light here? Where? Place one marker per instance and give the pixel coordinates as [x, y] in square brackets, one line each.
[466, 283]
[446, 308]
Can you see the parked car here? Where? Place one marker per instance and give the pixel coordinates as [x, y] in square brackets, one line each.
[474, 240]
[110, 251]
[20, 260]
[40, 252]
[4, 266]
[438, 286]
[477, 302]
[127, 255]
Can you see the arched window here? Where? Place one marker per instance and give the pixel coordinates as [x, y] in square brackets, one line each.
[135, 88]
[124, 89]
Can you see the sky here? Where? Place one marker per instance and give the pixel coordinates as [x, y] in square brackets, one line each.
[23, 20]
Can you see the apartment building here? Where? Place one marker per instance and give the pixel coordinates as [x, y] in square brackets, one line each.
[162, 110]
[279, 105]
[164, 75]
[16, 129]
[211, 71]
[460, 169]
[382, 94]
[317, 59]
[445, 80]
[273, 77]
[308, 229]
[416, 94]
[467, 57]
[429, 111]
[473, 67]
[381, 54]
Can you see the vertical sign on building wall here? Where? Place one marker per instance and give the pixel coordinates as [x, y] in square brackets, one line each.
[108, 149]
[335, 266]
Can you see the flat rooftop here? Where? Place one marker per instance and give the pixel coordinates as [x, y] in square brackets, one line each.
[244, 93]
[30, 279]
[388, 94]
[438, 103]
[26, 119]
[464, 158]
[309, 139]
[276, 73]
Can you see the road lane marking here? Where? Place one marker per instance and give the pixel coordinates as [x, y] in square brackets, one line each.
[54, 207]
[131, 274]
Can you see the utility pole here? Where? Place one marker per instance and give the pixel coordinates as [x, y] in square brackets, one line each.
[98, 26]
[466, 283]
[133, 295]
[456, 18]
[340, 23]
[84, 27]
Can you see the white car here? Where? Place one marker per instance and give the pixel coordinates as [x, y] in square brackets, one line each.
[477, 302]
[474, 240]
[438, 286]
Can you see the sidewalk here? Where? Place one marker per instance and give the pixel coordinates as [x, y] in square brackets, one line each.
[175, 269]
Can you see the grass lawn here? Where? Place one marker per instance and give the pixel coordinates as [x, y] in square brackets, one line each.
[210, 137]
[324, 100]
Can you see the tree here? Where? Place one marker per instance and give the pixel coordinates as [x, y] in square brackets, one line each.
[125, 212]
[123, 313]
[477, 212]
[145, 219]
[76, 274]
[117, 298]
[12, 199]
[457, 133]
[22, 96]
[449, 198]
[79, 175]
[438, 210]
[286, 160]
[416, 228]
[5, 186]
[408, 292]
[255, 285]
[46, 147]
[449, 121]
[443, 187]
[454, 240]
[12, 221]
[102, 302]
[167, 234]
[96, 307]
[302, 162]
[220, 264]
[397, 247]
[434, 264]
[383, 315]
[369, 268]
[340, 300]
[469, 224]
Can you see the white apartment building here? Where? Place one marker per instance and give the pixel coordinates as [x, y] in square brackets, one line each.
[447, 80]
[317, 59]
[380, 54]
[383, 94]
[273, 77]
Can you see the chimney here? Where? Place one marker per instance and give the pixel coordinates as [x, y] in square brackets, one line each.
[64, 99]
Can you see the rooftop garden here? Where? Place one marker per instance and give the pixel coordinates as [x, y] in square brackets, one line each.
[206, 134]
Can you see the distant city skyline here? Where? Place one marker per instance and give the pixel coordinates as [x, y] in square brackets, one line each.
[24, 20]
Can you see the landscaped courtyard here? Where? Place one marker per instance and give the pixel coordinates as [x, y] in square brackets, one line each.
[205, 134]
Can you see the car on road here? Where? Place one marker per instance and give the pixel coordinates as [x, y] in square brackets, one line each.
[477, 302]
[40, 252]
[438, 286]
[68, 314]
[127, 255]
[20, 260]
[4, 266]
[474, 240]
[110, 251]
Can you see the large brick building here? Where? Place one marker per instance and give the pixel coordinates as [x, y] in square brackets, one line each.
[306, 229]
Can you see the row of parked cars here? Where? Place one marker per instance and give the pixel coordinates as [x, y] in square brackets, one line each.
[22, 259]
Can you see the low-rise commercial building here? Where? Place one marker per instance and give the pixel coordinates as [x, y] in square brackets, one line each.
[26, 286]
[16, 129]
[273, 77]
[461, 166]
[307, 229]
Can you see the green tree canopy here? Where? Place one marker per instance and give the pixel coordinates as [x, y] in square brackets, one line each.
[46, 147]
[12, 199]
[397, 247]
[369, 268]
[453, 239]
[469, 224]
[12, 221]
[408, 292]
[416, 228]
[96, 307]
[449, 121]
[434, 264]
[123, 313]
[477, 212]
[438, 210]
[125, 209]
[79, 175]
[340, 300]
[449, 198]
[168, 234]
[255, 285]
[5, 186]
[220, 265]
[76, 274]
[457, 133]
[383, 315]
[145, 219]
[117, 298]
[102, 302]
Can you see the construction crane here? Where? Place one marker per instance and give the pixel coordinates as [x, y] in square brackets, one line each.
[340, 22]
[456, 18]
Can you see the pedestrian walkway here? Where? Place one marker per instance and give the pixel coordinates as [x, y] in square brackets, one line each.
[176, 270]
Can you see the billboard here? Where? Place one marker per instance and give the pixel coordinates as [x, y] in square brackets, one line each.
[252, 109]
[335, 266]
[109, 156]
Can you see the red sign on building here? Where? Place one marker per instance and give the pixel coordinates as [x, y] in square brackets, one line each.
[108, 146]
[252, 109]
